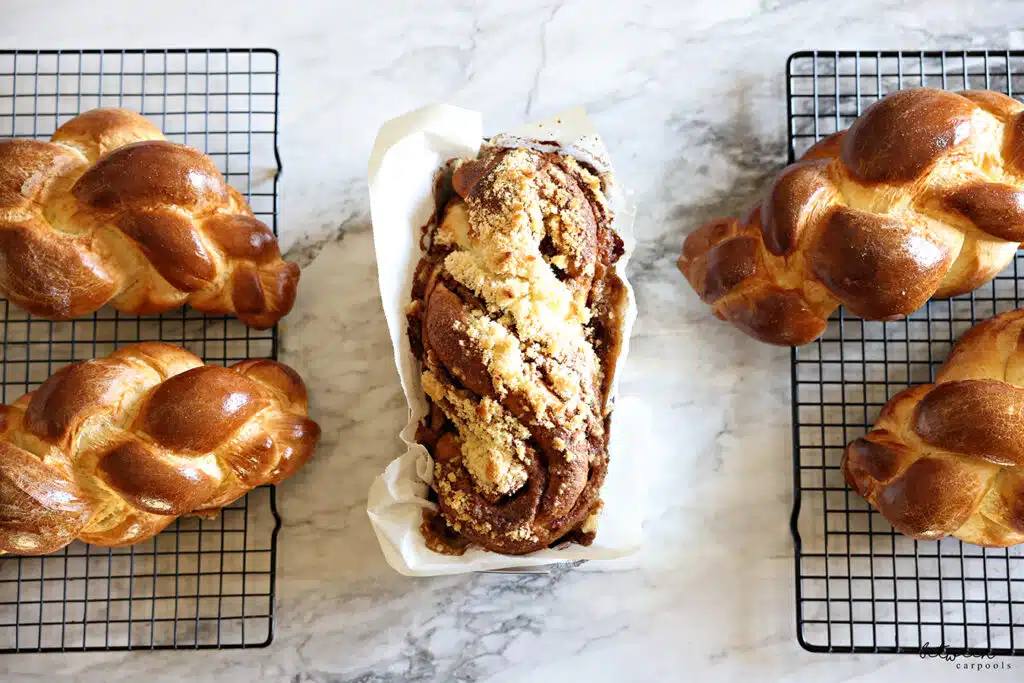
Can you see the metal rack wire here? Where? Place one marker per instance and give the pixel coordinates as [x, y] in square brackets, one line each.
[202, 583]
[860, 586]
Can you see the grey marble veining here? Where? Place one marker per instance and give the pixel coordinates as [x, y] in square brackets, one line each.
[689, 98]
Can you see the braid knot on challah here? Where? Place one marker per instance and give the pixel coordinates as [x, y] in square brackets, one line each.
[922, 197]
[109, 211]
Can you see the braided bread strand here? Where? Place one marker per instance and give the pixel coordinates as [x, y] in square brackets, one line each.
[947, 459]
[109, 211]
[923, 196]
[111, 451]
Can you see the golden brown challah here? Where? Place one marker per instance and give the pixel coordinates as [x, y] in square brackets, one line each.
[111, 451]
[109, 211]
[948, 458]
[517, 320]
[923, 196]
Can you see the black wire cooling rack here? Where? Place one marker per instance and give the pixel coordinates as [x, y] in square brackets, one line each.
[201, 583]
[860, 586]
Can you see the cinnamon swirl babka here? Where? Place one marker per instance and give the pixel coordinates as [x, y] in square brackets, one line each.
[516, 318]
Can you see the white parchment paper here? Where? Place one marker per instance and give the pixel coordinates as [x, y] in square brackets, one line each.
[408, 152]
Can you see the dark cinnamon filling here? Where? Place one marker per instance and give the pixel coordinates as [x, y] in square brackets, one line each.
[523, 519]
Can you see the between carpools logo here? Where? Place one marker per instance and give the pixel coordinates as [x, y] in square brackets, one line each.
[942, 652]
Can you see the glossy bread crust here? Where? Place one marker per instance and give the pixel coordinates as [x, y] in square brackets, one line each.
[111, 451]
[923, 196]
[109, 211]
[945, 459]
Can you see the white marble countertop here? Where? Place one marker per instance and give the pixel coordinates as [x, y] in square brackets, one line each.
[689, 97]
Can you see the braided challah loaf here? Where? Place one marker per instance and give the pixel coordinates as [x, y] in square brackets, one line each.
[922, 197]
[516, 317]
[111, 451]
[946, 458]
[109, 211]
